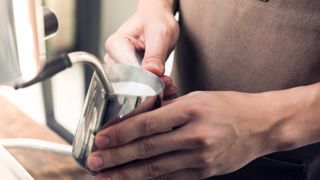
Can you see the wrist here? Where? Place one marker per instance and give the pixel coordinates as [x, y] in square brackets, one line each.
[293, 117]
[256, 116]
[169, 6]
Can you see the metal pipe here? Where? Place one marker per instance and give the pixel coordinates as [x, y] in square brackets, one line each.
[93, 61]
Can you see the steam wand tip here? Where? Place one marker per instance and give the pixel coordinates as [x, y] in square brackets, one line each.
[50, 69]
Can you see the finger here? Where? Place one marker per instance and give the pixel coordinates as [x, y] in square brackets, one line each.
[141, 125]
[186, 174]
[166, 80]
[167, 102]
[142, 149]
[170, 91]
[151, 169]
[122, 50]
[157, 47]
[109, 60]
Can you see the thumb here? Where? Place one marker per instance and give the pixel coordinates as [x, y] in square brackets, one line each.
[156, 53]
[154, 63]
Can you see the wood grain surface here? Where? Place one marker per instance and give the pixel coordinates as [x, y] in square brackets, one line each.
[40, 164]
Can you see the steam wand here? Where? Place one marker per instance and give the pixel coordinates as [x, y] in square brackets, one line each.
[55, 66]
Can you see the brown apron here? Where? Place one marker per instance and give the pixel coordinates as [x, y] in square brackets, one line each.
[252, 46]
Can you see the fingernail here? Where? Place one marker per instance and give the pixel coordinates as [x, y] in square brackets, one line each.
[154, 67]
[95, 162]
[102, 141]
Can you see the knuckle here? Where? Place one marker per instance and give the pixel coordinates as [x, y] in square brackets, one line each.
[146, 148]
[202, 140]
[164, 29]
[204, 159]
[173, 25]
[110, 43]
[108, 59]
[155, 57]
[117, 136]
[151, 170]
[198, 108]
[169, 29]
[148, 126]
[114, 158]
[193, 111]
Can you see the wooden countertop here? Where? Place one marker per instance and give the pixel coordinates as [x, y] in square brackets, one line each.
[40, 164]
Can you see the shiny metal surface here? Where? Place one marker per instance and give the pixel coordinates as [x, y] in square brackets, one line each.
[87, 58]
[22, 33]
[102, 109]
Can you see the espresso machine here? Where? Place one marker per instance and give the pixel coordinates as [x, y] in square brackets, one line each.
[39, 24]
[36, 24]
[42, 24]
[109, 99]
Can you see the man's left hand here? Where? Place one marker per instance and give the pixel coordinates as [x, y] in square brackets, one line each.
[195, 136]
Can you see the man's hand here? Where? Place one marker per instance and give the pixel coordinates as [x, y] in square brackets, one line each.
[152, 31]
[196, 136]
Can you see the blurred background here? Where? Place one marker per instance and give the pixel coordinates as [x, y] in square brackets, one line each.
[84, 25]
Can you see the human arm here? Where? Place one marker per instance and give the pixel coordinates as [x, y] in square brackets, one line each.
[204, 134]
[152, 31]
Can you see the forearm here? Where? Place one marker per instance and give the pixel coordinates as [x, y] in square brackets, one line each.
[295, 117]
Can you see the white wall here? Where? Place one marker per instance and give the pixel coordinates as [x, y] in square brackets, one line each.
[114, 13]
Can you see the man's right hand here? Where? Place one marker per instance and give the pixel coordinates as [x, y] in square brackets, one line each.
[152, 30]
